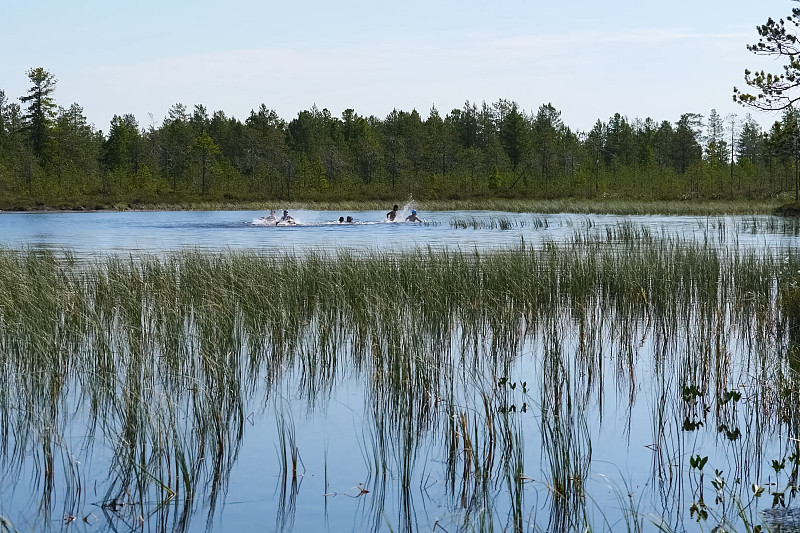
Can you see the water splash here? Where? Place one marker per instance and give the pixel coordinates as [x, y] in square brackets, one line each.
[404, 212]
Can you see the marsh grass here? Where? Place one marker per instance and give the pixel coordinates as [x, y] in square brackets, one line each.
[615, 206]
[770, 225]
[159, 359]
[501, 223]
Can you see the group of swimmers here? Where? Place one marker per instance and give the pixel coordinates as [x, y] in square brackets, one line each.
[285, 219]
[392, 215]
[288, 219]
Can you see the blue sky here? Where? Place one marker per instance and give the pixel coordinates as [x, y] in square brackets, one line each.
[589, 59]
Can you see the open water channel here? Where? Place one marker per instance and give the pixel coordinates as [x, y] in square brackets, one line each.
[554, 432]
[96, 233]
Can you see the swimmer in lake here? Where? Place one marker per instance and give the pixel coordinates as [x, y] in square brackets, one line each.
[413, 217]
[341, 220]
[286, 219]
[349, 220]
[391, 215]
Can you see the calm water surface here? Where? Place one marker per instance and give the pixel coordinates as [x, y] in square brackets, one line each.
[122, 232]
[339, 489]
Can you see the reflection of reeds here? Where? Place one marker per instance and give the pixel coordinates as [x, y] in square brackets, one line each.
[774, 225]
[161, 357]
[289, 455]
[566, 441]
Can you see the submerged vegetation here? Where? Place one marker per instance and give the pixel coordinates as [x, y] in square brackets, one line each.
[487, 379]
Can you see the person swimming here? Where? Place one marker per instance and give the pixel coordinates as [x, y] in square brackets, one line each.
[349, 219]
[286, 218]
[391, 215]
[413, 217]
[271, 217]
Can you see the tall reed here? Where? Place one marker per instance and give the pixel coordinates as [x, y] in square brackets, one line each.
[159, 359]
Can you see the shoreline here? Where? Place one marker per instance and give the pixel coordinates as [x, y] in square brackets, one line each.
[561, 205]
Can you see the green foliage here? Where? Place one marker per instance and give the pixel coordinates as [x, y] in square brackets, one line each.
[122, 148]
[774, 91]
[491, 151]
[41, 107]
[790, 301]
[206, 151]
[494, 181]
[697, 462]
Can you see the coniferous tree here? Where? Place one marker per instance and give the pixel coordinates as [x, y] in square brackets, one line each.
[786, 138]
[751, 152]
[176, 141]
[595, 143]
[645, 143]
[618, 148]
[465, 124]
[74, 150]
[547, 126]
[686, 147]
[3, 115]
[121, 147]
[716, 149]
[199, 119]
[514, 133]
[206, 151]
[662, 144]
[493, 149]
[774, 91]
[412, 129]
[394, 147]
[41, 108]
[751, 141]
[266, 151]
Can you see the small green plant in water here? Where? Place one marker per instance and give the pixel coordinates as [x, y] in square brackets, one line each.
[700, 509]
[690, 393]
[698, 462]
[730, 434]
[730, 395]
[691, 425]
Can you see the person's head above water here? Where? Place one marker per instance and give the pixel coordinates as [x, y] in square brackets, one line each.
[395, 208]
[285, 212]
[413, 211]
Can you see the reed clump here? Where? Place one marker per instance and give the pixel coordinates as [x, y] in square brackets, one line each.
[161, 359]
[790, 301]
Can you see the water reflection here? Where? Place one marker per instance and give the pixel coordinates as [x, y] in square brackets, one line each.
[502, 390]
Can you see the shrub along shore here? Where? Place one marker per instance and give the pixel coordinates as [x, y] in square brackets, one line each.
[611, 206]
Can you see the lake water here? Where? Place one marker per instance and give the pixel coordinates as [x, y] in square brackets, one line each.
[124, 232]
[629, 460]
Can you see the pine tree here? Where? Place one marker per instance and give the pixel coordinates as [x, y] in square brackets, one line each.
[41, 108]
[774, 92]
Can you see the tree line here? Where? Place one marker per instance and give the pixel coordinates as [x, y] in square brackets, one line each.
[51, 155]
